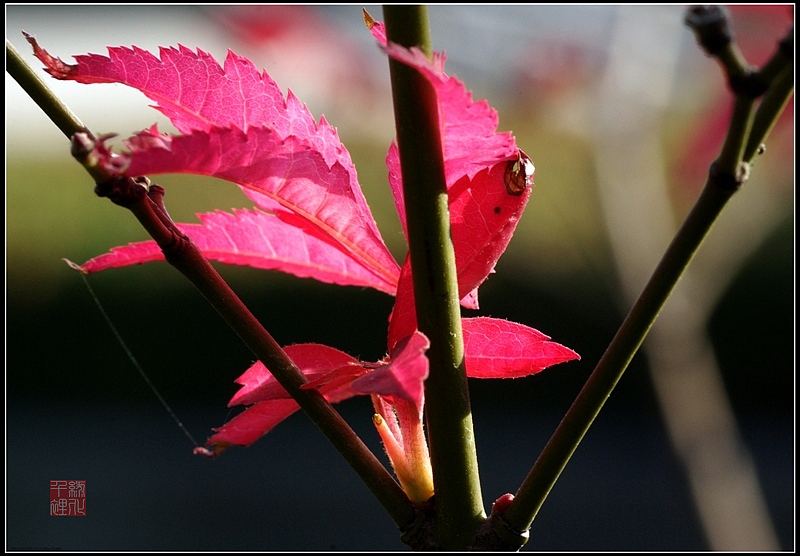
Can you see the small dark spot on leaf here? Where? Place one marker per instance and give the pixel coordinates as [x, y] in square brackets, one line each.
[497, 210]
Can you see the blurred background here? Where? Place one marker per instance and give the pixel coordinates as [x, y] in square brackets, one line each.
[620, 112]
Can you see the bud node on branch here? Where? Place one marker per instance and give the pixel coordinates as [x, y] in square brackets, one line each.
[121, 190]
[711, 24]
[727, 180]
[419, 532]
[749, 84]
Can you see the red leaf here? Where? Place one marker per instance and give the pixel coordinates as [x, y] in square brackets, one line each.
[495, 348]
[315, 221]
[469, 129]
[315, 361]
[192, 89]
[252, 424]
[403, 376]
[272, 402]
[126, 255]
[282, 175]
[483, 218]
[259, 240]
[241, 129]
[487, 179]
[196, 94]
[403, 320]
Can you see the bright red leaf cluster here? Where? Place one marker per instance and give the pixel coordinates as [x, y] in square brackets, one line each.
[311, 218]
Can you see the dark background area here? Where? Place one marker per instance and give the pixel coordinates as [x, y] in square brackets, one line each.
[77, 409]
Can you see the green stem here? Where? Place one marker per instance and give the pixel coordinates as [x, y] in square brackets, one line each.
[782, 59]
[459, 507]
[726, 175]
[730, 159]
[184, 255]
[768, 112]
[612, 365]
[42, 95]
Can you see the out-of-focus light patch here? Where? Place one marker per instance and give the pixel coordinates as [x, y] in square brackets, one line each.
[68, 30]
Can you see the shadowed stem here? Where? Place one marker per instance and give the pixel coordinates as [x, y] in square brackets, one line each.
[458, 501]
[147, 205]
